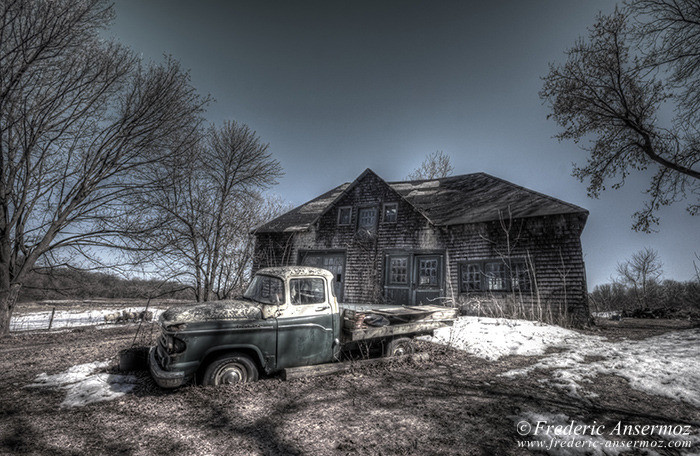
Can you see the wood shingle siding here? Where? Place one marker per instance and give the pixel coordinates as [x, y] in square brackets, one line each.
[440, 225]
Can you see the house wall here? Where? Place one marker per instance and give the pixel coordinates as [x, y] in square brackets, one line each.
[365, 254]
[551, 244]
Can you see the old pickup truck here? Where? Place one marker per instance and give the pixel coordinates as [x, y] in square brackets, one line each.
[288, 317]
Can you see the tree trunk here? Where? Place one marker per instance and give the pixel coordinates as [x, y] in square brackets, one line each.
[8, 298]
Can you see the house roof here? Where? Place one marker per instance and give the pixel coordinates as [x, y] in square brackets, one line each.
[455, 200]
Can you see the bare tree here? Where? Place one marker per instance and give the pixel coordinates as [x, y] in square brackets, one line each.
[80, 118]
[612, 89]
[669, 33]
[640, 272]
[196, 222]
[435, 166]
[238, 248]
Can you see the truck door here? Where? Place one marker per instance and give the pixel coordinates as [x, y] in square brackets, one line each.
[305, 327]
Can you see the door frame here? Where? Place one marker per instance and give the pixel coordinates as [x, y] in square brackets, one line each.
[412, 270]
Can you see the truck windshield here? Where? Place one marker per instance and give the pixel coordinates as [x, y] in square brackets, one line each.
[266, 289]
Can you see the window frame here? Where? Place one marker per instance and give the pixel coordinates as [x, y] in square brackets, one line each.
[464, 268]
[282, 290]
[373, 229]
[517, 266]
[324, 296]
[396, 215]
[340, 212]
[406, 259]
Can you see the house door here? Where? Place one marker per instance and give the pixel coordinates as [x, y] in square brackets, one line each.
[413, 279]
[428, 279]
[332, 261]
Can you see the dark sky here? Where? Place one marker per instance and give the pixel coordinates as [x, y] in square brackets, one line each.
[337, 87]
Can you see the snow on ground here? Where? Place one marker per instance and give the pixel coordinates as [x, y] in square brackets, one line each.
[68, 318]
[664, 365]
[607, 314]
[83, 386]
[493, 338]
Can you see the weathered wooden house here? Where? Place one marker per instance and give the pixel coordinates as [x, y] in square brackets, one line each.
[475, 240]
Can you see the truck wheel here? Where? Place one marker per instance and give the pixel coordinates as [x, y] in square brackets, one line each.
[230, 368]
[400, 346]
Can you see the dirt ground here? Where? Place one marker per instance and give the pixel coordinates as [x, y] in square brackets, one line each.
[454, 403]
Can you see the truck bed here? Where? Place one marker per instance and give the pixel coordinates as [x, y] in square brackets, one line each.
[362, 321]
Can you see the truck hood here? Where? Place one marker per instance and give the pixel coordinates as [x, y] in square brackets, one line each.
[216, 310]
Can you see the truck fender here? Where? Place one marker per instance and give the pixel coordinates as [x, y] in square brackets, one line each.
[253, 350]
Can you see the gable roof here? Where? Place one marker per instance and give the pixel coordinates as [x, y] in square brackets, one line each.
[455, 200]
[357, 182]
[479, 197]
[302, 217]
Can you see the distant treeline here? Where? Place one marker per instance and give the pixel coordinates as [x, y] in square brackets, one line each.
[68, 283]
[666, 294]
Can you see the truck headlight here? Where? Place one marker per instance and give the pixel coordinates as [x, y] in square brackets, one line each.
[175, 345]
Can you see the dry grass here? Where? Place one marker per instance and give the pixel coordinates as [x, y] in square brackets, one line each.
[452, 404]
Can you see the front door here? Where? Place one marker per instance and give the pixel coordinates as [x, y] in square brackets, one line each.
[332, 261]
[414, 279]
[428, 279]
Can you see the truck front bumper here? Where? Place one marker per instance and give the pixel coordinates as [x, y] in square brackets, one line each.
[165, 379]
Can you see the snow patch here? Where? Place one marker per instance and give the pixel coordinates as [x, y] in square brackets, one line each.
[607, 314]
[83, 386]
[664, 365]
[69, 318]
[494, 338]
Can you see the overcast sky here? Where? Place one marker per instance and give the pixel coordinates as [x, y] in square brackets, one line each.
[337, 87]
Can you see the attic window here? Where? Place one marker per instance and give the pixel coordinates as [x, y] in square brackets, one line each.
[344, 216]
[390, 212]
[367, 219]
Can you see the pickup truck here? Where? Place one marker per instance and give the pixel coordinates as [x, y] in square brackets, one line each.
[288, 317]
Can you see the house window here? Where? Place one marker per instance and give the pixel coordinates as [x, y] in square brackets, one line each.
[520, 276]
[494, 275]
[307, 291]
[428, 272]
[471, 277]
[398, 270]
[345, 215]
[390, 212]
[367, 219]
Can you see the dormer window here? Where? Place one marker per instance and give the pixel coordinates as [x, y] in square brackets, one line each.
[344, 216]
[390, 212]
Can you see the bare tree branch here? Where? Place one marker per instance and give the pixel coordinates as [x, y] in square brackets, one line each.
[80, 121]
[610, 91]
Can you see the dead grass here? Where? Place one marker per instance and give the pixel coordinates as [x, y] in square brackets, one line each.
[453, 404]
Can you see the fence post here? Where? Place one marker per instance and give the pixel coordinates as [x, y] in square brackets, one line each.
[53, 311]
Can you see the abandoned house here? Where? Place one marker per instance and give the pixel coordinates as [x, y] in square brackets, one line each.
[474, 240]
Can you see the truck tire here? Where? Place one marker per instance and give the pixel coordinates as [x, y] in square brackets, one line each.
[230, 368]
[400, 346]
